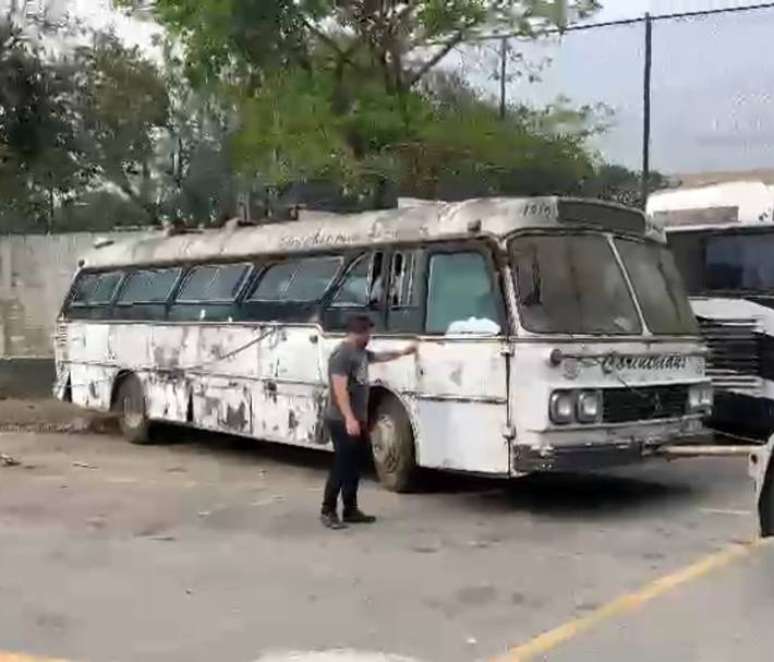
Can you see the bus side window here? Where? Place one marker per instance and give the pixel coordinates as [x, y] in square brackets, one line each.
[92, 295]
[363, 286]
[404, 313]
[402, 293]
[209, 291]
[360, 292]
[461, 296]
[291, 291]
[145, 293]
[303, 280]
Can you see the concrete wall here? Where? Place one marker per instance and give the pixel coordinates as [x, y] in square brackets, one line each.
[35, 274]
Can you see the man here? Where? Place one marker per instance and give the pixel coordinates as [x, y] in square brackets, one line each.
[347, 420]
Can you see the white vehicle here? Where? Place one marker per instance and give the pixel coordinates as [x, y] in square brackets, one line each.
[728, 269]
[554, 334]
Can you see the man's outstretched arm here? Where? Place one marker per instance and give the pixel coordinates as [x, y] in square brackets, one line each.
[385, 357]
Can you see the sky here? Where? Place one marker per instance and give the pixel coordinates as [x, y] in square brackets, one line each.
[712, 85]
[712, 80]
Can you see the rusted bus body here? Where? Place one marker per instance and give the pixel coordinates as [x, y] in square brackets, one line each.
[472, 282]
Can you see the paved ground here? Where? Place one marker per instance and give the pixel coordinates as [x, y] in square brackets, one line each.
[209, 549]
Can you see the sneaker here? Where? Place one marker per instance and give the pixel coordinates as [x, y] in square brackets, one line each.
[332, 521]
[358, 517]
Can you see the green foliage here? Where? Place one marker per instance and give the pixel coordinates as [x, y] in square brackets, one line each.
[469, 150]
[123, 102]
[402, 41]
[39, 155]
[619, 184]
[289, 132]
[258, 93]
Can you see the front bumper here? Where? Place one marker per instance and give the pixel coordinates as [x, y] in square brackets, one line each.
[616, 447]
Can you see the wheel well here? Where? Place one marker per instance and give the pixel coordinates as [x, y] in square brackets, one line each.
[120, 377]
[380, 394]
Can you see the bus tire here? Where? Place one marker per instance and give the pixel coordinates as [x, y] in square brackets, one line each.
[129, 404]
[392, 445]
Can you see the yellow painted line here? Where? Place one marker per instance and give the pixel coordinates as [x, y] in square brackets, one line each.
[21, 657]
[550, 640]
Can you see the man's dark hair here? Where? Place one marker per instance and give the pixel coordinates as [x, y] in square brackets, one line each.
[359, 324]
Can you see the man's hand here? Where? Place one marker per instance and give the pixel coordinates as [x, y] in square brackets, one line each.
[353, 427]
[413, 348]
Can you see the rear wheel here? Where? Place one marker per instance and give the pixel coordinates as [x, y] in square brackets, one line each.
[129, 404]
[392, 444]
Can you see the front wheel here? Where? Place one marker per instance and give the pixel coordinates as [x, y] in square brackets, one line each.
[130, 407]
[392, 444]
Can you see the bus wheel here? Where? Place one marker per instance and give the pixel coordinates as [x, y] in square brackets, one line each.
[130, 407]
[392, 444]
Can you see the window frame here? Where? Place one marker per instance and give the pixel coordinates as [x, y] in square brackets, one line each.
[135, 270]
[609, 239]
[414, 281]
[260, 273]
[72, 303]
[632, 283]
[246, 278]
[342, 279]
[487, 251]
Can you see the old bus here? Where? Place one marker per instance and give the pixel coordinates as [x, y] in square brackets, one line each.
[554, 334]
[728, 269]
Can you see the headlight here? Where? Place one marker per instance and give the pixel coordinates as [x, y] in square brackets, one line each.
[561, 407]
[700, 398]
[589, 407]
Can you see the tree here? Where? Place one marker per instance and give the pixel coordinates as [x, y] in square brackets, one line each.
[619, 184]
[341, 90]
[74, 125]
[123, 106]
[40, 160]
[401, 40]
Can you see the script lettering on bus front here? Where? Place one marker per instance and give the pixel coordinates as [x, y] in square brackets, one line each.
[615, 362]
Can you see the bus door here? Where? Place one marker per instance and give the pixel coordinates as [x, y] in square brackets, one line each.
[462, 368]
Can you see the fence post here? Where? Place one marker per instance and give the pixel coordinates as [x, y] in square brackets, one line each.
[503, 76]
[646, 118]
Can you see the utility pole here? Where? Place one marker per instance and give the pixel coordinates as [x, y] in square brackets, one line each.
[646, 117]
[503, 76]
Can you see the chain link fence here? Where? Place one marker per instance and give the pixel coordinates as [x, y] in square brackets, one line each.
[710, 85]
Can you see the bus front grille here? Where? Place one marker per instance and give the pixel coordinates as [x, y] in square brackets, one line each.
[734, 359]
[647, 403]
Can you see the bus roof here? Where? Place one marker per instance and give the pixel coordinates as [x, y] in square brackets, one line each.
[319, 231]
[720, 228]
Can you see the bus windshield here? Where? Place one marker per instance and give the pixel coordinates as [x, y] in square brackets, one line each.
[572, 284]
[658, 287]
[740, 262]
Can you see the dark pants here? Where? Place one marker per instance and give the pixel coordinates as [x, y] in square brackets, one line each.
[344, 477]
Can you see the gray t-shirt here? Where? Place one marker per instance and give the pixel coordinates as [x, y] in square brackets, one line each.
[351, 362]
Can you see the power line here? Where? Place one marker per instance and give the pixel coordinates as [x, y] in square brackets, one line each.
[630, 21]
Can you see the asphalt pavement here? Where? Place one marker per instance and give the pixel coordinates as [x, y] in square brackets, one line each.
[210, 549]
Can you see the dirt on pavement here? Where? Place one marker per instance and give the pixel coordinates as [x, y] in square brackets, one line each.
[17, 415]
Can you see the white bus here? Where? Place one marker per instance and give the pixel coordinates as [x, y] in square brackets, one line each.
[728, 269]
[554, 334]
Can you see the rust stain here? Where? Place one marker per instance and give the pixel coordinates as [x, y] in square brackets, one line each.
[292, 421]
[236, 418]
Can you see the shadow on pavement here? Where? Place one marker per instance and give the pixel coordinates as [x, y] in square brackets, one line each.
[546, 494]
